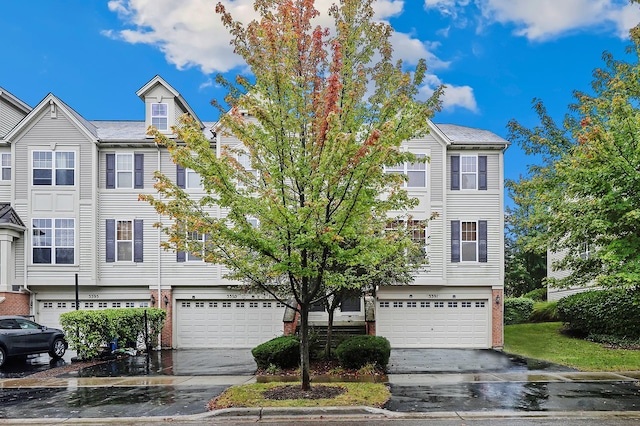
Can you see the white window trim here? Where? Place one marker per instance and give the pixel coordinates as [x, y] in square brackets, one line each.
[53, 246]
[5, 167]
[54, 168]
[462, 173]
[405, 169]
[118, 241]
[189, 172]
[158, 116]
[130, 171]
[477, 248]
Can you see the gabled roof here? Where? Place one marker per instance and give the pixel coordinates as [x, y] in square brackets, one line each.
[142, 92]
[85, 126]
[461, 135]
[9, 218]
[14, 101]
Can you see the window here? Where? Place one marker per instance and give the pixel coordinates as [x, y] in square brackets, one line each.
[585, 251]
[417, 229]
[116, 305]
[124, 240]
[469, 238]
[160, 116]
[6, 167]
[196, 254]
[469, 241]
[350, 303]
[416, 172]
[53, 241]
[45, 169]
[468, 172]
[193, 179]
[245, 163]
[125, 170]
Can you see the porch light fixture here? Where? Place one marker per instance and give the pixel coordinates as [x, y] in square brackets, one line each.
[153, 300]
[166, 300]
[497, 299]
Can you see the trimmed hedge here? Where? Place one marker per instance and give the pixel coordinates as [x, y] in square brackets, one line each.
[88, 331]
[517, 310]
[537, 295]
[358, 351]
[602, 312]
[283, 352]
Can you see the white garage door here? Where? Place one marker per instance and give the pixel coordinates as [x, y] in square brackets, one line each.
[227, 324]
[49, 311]
[434, 324]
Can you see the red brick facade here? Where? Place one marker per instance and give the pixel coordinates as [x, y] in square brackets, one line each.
[14, 303]
[497, 314]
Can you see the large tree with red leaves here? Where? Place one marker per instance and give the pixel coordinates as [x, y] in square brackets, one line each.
[321, 115]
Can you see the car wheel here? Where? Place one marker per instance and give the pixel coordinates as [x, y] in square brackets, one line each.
[3, 356]
[57, 349]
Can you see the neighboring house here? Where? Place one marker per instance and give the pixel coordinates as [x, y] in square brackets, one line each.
[557, 293]
[69, 213]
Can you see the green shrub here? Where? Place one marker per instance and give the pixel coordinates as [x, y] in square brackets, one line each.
[602, 312]
[358, 351]
[281, 352]
[544, 312]
[537, 295]
[88, 331]
[517, 310]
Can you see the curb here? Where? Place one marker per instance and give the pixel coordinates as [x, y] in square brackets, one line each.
[359, 413]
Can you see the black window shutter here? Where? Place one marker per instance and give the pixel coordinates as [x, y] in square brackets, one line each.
[180, 177]
[138, 177]
[455, 172]
[137, 240]
[455, 241]
[482, 172]
[111, 171]
[482, 241]
[110, 231]
[181, 256]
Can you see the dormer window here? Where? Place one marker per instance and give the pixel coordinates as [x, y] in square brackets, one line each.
[160, 116]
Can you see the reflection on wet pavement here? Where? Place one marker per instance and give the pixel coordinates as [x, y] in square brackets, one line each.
[516, 396]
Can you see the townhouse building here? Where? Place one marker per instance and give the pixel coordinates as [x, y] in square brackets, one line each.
[70, 219]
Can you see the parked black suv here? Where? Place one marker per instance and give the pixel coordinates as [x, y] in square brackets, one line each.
[20, 336]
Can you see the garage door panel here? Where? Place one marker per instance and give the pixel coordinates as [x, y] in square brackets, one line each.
[227, 324]
[437, 324]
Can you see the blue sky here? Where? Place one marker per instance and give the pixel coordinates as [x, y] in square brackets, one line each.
[495, 56]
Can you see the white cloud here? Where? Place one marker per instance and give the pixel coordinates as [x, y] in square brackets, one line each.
[190, 33]
[544, 19]
[453, 97]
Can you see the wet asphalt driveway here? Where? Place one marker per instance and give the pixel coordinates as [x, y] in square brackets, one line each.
[181, 382]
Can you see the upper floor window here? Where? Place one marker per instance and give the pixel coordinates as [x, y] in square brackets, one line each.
[585, 250]
[53, 241]
[416, 172]
[124, 240]
[6, 166]
[417, 229]
[468, 172]
[245, 162]
[54, 168]
[125, 170]
[196, 251]
[187, 178]
[160, 116]
[469, 241]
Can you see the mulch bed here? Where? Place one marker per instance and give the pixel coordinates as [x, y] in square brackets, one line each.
[295, 392]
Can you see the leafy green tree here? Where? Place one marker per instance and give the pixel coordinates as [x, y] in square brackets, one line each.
[585, 193]
[321, 115]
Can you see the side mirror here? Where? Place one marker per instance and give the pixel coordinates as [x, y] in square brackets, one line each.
[43, 327]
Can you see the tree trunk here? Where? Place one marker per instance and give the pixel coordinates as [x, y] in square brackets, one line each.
[304, 346]
[327, 348]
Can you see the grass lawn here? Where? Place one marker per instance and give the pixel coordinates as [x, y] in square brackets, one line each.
[544, 341]
[366, 394]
